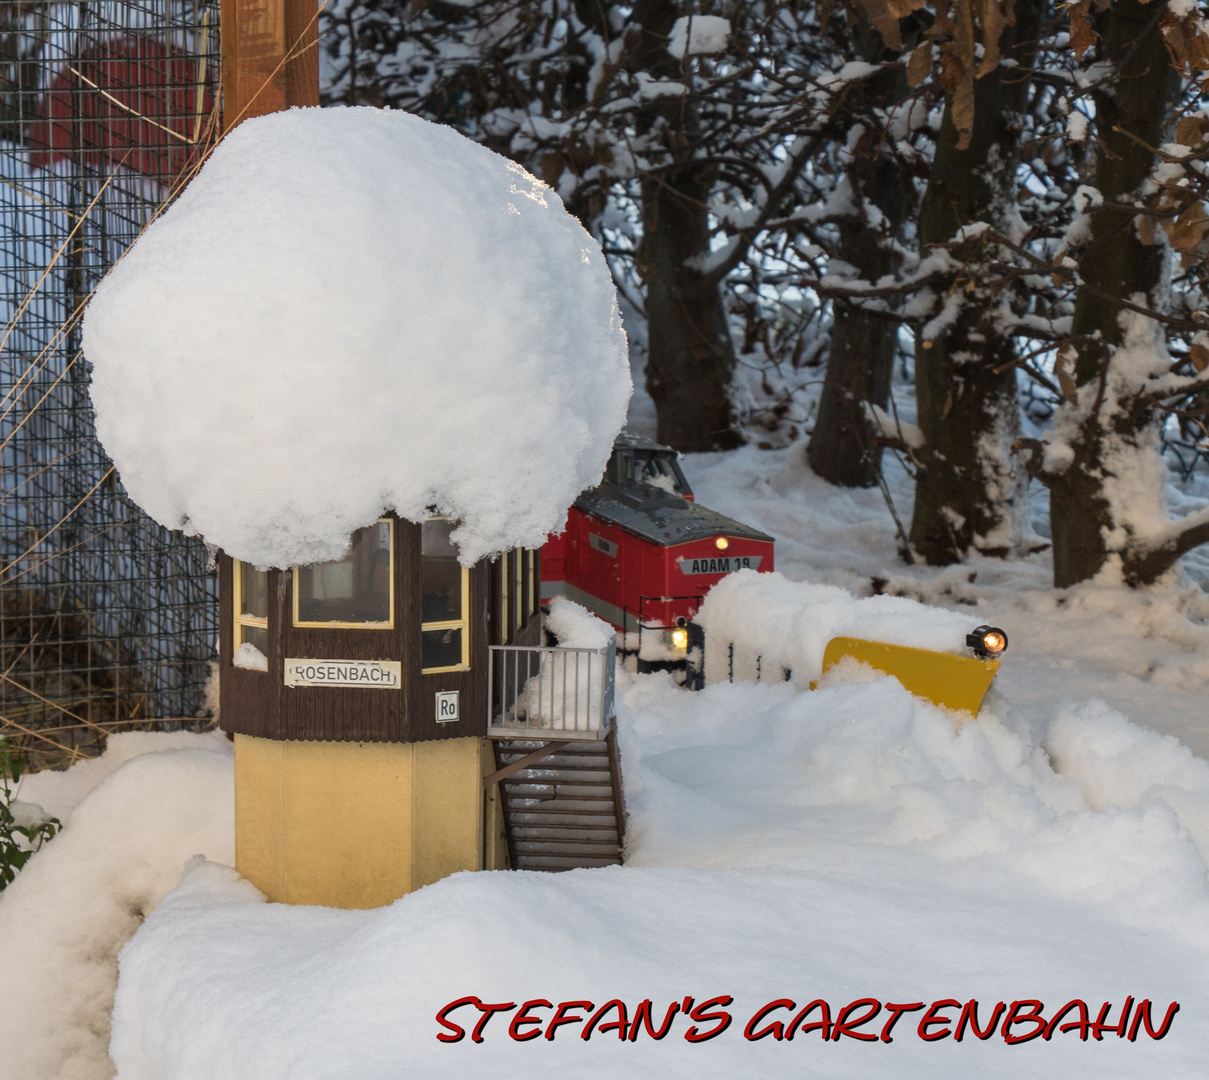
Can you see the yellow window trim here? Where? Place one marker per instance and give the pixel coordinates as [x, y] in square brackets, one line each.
[237, 593]
[388, 625]
[462, 624]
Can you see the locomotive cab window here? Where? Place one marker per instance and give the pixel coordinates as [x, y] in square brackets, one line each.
[356, 591]
[251, 595]
[444, 601]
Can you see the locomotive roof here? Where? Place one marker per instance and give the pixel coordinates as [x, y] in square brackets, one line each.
[629, 440]
[659, 516]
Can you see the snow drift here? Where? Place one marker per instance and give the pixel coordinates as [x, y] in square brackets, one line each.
[351, 311]
[131, 818]
[777, 626]
[846, 844]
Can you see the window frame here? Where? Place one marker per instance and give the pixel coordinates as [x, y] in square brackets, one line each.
[240, 620]
[389, 624]
[462, 623]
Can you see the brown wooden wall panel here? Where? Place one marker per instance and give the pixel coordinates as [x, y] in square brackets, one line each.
[258, 703]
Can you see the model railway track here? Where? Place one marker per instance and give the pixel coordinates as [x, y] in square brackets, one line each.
[564, 811]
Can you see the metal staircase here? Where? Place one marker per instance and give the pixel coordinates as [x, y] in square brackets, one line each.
[564, 810]
[550, 715]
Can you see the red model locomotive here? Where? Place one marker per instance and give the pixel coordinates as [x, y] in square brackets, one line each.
[641, 554]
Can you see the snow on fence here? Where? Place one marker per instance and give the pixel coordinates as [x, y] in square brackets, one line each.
[543, 691]
[764, 628]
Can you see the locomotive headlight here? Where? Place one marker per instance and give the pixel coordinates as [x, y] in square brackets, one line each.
[988, 642]
[721, 543]
[680, 638]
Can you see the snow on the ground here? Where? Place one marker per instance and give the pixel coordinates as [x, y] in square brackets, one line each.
[131, 820]
[846, 844]
[405, 321]
[1144, 652]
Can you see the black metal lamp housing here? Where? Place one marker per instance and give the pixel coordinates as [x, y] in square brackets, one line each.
[988, 642]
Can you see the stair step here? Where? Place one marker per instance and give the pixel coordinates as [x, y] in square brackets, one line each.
[601, 849]
[529, 819]
[549, 791]
[561, 764]
[528, 804]
[560, 810]
[577, 833]
[573, 751]
[561, 862]
[541, 774]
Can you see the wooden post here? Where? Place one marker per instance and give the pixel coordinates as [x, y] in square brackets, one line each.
[270, 57]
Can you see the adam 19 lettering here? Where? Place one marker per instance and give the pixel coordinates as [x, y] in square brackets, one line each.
[865, 1020]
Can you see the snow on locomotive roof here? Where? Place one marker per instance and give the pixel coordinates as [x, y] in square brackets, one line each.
[630, 440]
[350, 311]
[659, 516]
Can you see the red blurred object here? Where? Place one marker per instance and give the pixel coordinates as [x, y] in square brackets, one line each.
[638, 551]
[129, 101]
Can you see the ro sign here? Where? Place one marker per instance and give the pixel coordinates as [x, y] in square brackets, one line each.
[447, 706]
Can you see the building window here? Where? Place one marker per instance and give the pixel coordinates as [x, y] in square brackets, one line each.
[251, 595]
[444, 601]
[356, 591]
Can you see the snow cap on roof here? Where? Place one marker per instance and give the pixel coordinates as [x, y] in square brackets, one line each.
[351, 311]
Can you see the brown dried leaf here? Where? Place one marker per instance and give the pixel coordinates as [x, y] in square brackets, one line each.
[963, 110]
[1145, 227]
[1082, 36]
[1199, 355]
[1189, 229]
[1191, 130]
[1173, 35]
[994, 16]
[902, 8]
[1064, 368]
[952, 71]
[1187, 41]
[919, 64]
[879, 14]
[963, 39]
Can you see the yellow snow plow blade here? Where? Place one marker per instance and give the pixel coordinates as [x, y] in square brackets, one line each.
[952, 682]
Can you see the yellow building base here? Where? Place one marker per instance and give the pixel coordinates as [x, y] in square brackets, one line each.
[357, 825]
[953, 682]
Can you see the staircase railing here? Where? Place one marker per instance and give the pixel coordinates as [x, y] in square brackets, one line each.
[545, 692]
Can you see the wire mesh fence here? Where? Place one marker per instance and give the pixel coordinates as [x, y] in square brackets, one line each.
[107, 620]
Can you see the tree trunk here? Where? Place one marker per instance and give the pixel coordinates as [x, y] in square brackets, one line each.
[965, 387]
[690, 355]
[1116, 430]
[860, 359]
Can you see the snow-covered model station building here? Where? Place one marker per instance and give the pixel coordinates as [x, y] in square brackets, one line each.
[363, 356]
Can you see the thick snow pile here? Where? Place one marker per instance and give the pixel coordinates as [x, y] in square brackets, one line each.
[784, 626]
[566, 691]
[1146, 652]
[131, 819]
[841, 845]
[351, 311]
